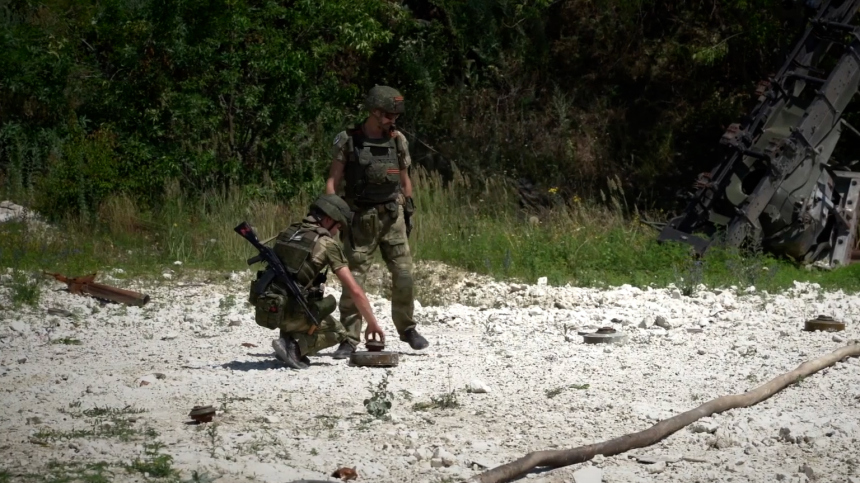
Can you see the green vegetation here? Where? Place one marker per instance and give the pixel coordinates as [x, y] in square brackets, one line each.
[121, 98]
[476, 226]
[144, 132]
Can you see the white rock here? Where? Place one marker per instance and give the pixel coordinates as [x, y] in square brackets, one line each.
[661, 321]
[478, 386]
[169, 336]
[19, 326]
[541, 282]
[272, 419]
[658, 467]
[589, 474]
[167, 275]
[177, 263]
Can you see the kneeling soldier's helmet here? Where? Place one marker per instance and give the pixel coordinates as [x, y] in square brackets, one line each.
[334, 207]
[386, 98]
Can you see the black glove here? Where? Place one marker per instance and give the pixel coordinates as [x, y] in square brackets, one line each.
[408, 209]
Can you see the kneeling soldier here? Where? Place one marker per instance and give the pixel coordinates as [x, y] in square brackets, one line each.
[305, 249]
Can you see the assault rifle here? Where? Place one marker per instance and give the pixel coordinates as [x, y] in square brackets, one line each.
[277, 268]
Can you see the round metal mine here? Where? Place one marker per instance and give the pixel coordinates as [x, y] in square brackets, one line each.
[823, 323]
[374, 359]
[605, 335]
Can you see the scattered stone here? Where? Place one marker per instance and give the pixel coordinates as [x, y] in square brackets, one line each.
[652, 459]
[436, 463]
[167, 275]
[444, 456]
[807, 470]
[19, 326]
[560, 306]
[272, 419]
[658, 467]
[236, 322]
[704, 426]
[59, 312]
[589, 474]
[838, 338]
[661, 321]
[701, 352]
[169, 336]
[478, 386]
[694, 330]
[646, 322]
[22, 360]
[160, 375]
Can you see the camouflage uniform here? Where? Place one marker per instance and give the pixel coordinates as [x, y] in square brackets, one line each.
[306, 249]
[372, 174]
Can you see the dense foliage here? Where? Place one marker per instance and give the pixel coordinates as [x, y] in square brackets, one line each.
[127, 96]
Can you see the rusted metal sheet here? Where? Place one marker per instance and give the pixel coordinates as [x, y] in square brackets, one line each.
[86, 285]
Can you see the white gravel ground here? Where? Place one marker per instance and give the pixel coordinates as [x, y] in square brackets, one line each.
[519, 343]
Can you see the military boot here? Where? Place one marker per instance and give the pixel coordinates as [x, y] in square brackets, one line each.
[416, 341]
[287, 350]
[302, 359]
[343, 351]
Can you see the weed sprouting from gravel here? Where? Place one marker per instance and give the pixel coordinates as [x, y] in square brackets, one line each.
[154, 463]
[379, 403]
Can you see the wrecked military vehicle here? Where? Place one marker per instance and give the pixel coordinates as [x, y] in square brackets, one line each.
[779, 187]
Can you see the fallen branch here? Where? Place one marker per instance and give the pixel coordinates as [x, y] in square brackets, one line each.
[663, 429]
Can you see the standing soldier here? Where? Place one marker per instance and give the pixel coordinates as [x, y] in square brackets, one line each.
[373, 159]
[305, 249]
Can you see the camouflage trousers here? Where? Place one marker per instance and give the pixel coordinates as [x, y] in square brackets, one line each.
[329, 334]
[386, 230]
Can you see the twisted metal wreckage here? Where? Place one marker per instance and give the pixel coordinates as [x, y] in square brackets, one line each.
[779, 187]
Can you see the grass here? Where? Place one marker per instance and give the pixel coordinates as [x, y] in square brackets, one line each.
[477, 227]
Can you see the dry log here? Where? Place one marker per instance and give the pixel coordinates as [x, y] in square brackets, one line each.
[663, 429]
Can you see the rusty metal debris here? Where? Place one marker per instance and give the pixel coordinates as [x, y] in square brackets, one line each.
[345, 474]
[604, 335]
[824, 323]
[86, 285]
[374, 359]
[202, 414]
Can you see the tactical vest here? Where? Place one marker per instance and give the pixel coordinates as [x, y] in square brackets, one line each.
[372, 171]
[275, 306]
[294, 247]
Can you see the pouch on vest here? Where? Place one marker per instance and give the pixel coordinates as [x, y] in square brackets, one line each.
[270, 303]
[269, 309]
[323, 307]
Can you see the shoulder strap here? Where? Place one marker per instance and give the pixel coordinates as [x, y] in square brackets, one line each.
[356, 138]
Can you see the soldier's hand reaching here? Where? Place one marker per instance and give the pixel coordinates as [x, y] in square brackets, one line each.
[374, 330]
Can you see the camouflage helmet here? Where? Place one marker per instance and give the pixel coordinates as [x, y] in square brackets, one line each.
[386, 98]
[334, 207]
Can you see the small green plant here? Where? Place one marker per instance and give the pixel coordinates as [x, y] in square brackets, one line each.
[443, 401]
[155, 464]
[227, 302]
[314, 452]
[379, 403]
[197, 477]
[214, 438]
[24, 290]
